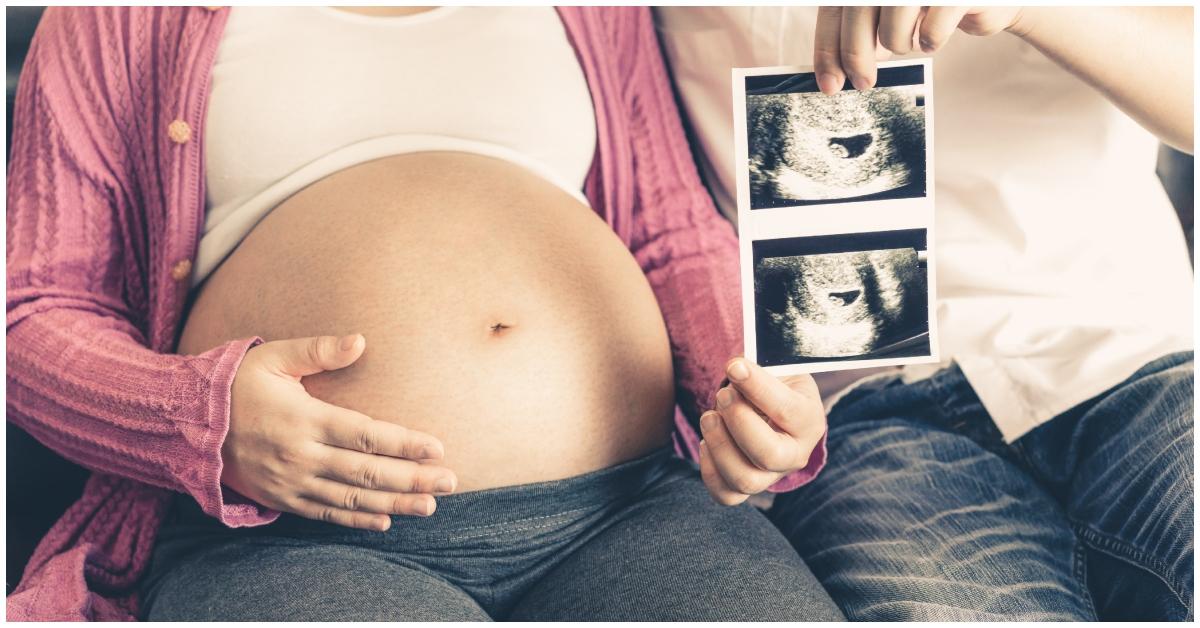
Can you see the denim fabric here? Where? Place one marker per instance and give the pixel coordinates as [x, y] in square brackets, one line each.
[639, 541]
[924, 513]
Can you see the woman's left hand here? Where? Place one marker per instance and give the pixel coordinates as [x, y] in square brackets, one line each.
[763, 428]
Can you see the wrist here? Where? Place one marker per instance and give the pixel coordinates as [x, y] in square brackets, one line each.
[1025, 22]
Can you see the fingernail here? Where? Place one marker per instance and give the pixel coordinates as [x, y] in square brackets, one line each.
[429, 452]
[829, 83]
[444, 485]
[860, 83]
[737, 371]
[724, 398]
[430, 506]
[384, 525]
[347, 342]
[927, 45]
[707, 421]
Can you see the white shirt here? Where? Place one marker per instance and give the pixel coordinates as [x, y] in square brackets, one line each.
[299, 93]
[1062, 268]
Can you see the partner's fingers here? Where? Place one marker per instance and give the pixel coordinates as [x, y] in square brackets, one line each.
[383, 473]
[849, 41]
[762, 445]
[858, 38]
[794, 407]
[353, 430]
[339, 496]
[738, 473]
[721, 493]
[938, 25]
[827, 55]
[898, 27]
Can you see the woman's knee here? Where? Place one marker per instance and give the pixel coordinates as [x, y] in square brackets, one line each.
[678, 555]
[243, 582]
[764, 567]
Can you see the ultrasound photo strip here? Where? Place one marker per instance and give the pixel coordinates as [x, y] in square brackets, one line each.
[835, 218]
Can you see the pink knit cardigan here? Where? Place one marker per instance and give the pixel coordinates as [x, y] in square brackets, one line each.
[105, 204]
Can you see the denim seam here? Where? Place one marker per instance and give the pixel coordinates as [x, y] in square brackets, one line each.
[1025, 461]
[539, 526]
[506, 523]
[1125, 552]
[492, 598]
[1081, 577]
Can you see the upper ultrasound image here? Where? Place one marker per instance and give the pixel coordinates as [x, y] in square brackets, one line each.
[807, 147]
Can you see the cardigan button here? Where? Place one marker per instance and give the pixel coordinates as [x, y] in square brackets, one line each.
[181, 270]
[212, 8]
[179, 132]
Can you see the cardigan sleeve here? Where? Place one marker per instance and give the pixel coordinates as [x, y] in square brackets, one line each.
[687, 249]
[81, 378]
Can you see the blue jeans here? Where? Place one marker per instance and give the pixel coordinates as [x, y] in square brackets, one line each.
[924, 513]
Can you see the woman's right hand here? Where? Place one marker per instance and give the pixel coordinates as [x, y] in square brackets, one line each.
[292, 452]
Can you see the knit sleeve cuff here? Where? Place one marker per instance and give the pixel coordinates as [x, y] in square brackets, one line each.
[796, 479]
[216, 499]
[238, 511]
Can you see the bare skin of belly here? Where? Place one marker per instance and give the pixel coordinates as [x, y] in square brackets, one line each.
[501, 315]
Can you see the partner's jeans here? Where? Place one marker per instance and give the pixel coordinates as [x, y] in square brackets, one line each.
[924, 513]
[638, 541]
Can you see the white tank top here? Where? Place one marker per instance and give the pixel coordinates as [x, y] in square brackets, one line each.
[299, 93]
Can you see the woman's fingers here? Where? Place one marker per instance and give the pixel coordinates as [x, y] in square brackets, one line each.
[351, 519]
[764, 447]
[898, 27]
[300, 357]
[352, 430]
[938, 25]
[795, 409]
[715, 483]
[827, 59]
[737, 472]
[858, 37]
[386, 474]
[339, 496]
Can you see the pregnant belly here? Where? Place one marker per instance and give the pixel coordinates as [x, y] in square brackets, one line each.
[501, 315]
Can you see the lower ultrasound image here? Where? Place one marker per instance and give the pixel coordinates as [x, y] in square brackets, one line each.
[840, 305]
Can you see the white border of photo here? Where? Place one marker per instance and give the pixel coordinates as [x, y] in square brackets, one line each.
[830, 219]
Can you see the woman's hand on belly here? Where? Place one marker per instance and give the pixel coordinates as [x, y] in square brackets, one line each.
[292, 452]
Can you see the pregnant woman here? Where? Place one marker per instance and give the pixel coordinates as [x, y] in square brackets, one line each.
[400, 304]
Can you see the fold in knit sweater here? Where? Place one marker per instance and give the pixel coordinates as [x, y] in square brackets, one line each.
[105, 207]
